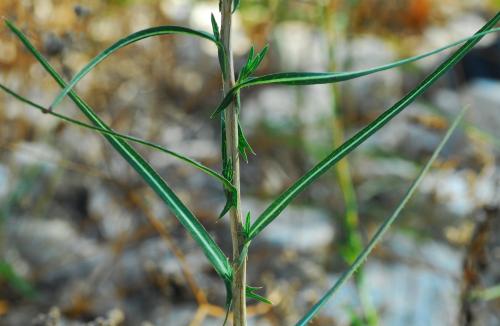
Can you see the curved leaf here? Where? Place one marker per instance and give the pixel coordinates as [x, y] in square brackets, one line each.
[361, 258]
[211, 250]
[236, 5]
[314, 78]
[186, 159]
[287, 196]
[134, 37]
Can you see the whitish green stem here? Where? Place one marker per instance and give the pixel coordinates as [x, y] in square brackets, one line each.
[231, 119]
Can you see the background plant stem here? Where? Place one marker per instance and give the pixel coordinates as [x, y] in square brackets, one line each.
[336, 25]
[231, 118]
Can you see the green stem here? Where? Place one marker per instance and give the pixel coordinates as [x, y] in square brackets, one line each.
[231, 123]
[352, 243]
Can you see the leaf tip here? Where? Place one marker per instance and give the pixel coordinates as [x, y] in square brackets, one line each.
[9, 24]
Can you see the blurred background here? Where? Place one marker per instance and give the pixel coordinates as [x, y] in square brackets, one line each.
[83, 240]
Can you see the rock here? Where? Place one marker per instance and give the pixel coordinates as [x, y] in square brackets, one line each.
[484, 95]
[366, 167]
[86, 145]
[28, 154]
[463, 191]
[412, 140]
[298, 228]
[65, 253]
[410, 295]
[277, 108]
[301, 47]
[376, 92]
[4, 182]
[422, 288]
[113, 219]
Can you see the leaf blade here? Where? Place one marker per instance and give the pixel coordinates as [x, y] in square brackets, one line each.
[382, 229]
[276, 207]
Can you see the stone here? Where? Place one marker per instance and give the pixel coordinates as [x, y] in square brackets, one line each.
[297, 228]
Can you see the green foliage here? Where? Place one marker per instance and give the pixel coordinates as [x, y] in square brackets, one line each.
[287, 196]
[214, 254]
[250, 292]
[227, 172]
[236, 5]
[243, 145]
[246, 226]
[215, 28]
[253, 62]
[211, 250]
[19, 284]
[382, 229]
[315, 78]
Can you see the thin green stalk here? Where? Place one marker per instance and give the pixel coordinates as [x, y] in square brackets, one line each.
[353, 243]
[232, 152]
[381, 231]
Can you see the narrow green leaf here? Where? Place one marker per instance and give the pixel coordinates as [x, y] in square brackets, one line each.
[252, 63]
[211, 250]
[236, 5]
[227, 172]
[251, 54]
[243, 254]
[250, 292]
[186, 159]
[258, 59]
[248, 221]
[243, 144]
[228, 307]
[287, 196]
[245, 71]
[228, 99]
[381, 231]
[215, 28]
[18, 283]
[227, 206]
[313, 78]
[134, 37]
[221, 55]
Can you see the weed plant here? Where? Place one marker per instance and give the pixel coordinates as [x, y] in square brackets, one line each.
[234, 145]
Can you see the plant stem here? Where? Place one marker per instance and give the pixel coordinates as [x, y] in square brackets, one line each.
[336, 26]
[231, 119]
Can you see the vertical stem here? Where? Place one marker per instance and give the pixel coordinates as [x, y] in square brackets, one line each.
[353, 243]
[231, 119]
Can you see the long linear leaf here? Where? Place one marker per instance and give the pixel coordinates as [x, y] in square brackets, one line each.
[186, 159]
[287, 196]
[211, 250]
[134, 37]
[314, 78]
[361, 258]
